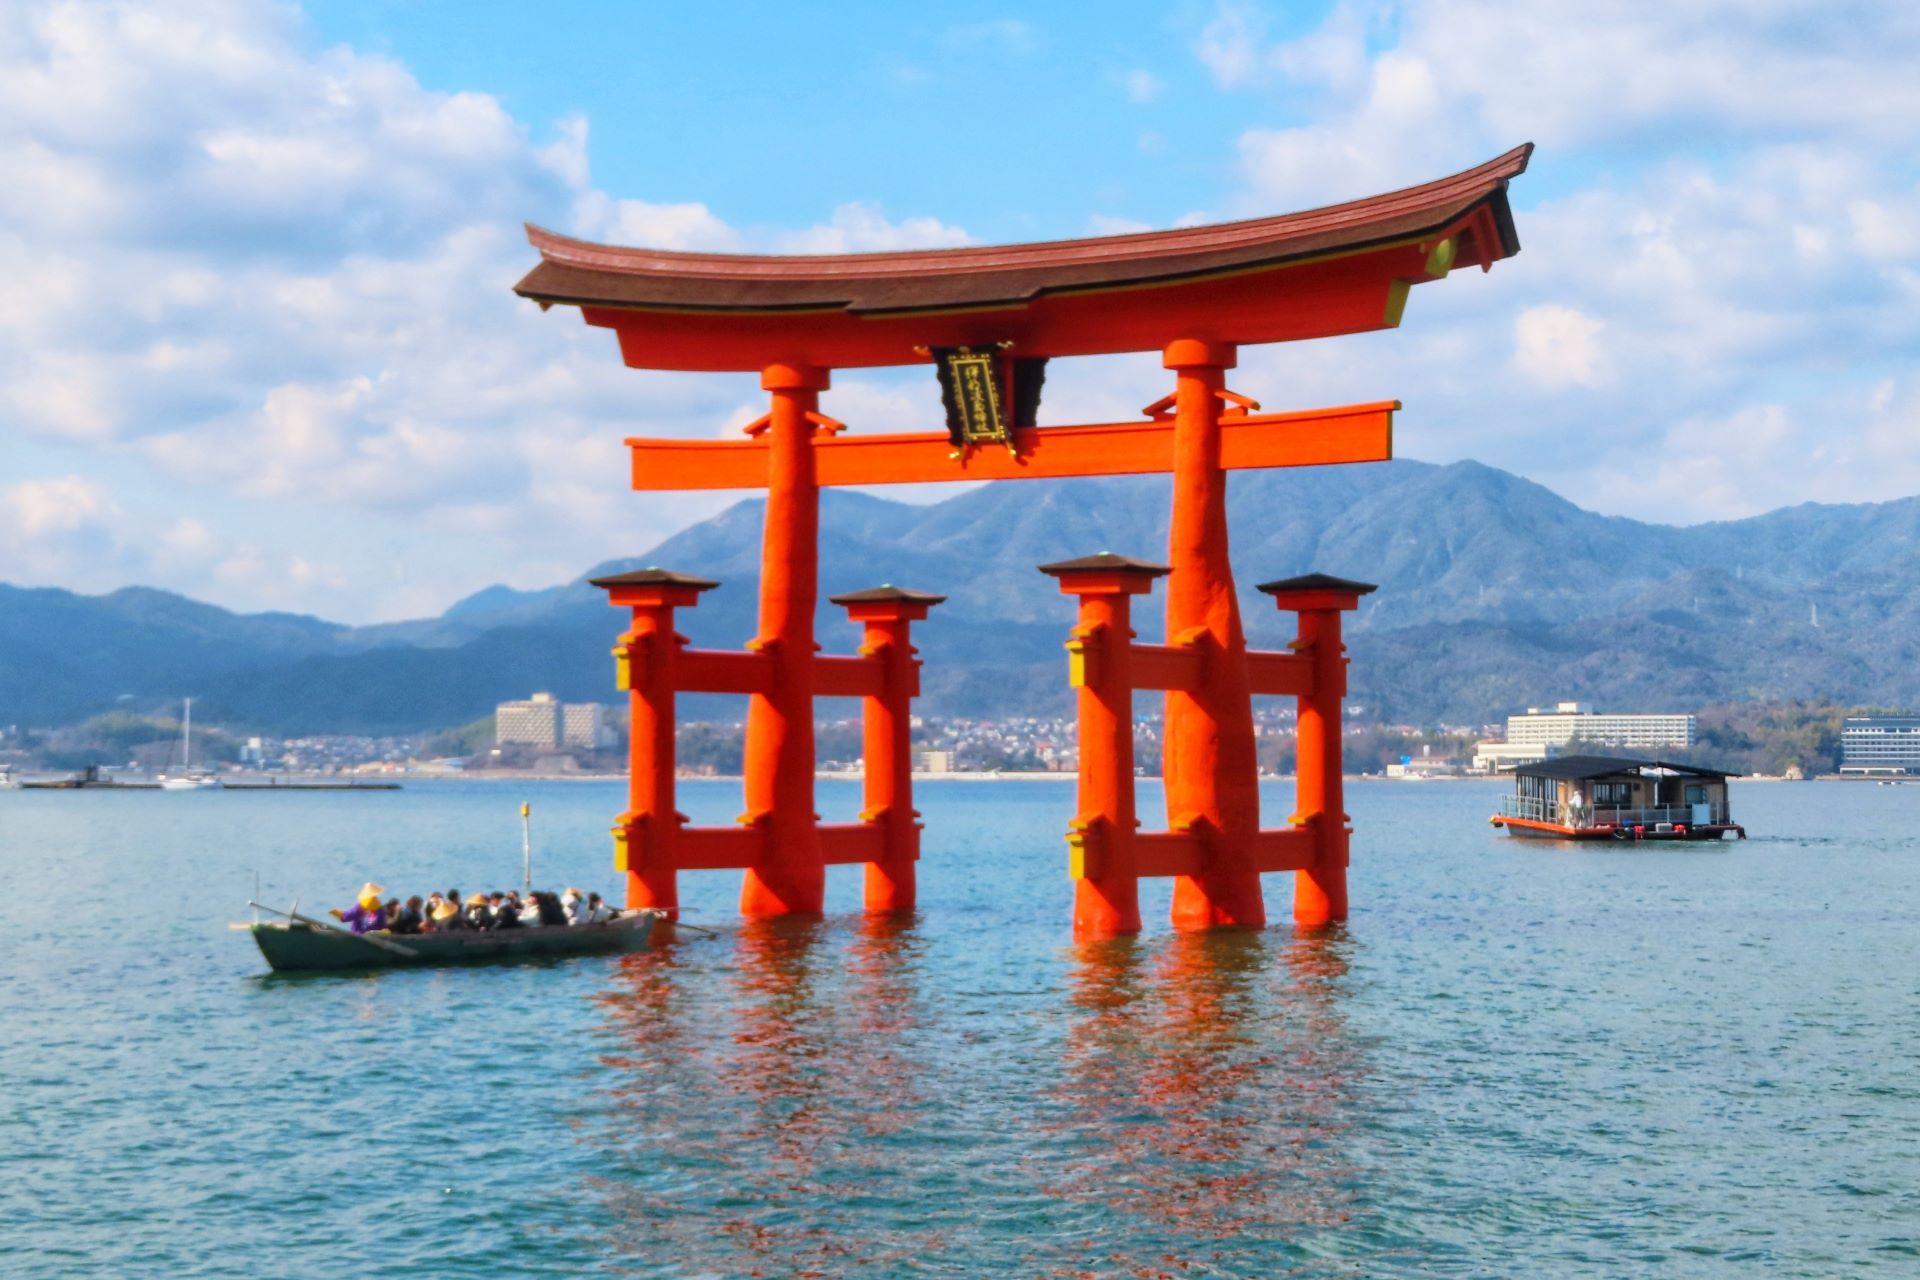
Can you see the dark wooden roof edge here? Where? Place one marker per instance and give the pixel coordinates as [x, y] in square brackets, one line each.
[1317, 582]
[652, 576]
[1106, 561]
[582, 273]
[886, 594]
[1582, 768]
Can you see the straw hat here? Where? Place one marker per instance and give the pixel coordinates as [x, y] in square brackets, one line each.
[444, 912]
[371, 890]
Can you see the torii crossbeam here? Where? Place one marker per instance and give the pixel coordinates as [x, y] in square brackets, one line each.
[1195, 295]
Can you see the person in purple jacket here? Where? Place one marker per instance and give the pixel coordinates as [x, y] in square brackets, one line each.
[366, 915]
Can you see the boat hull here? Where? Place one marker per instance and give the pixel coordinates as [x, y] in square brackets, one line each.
[298, 948]
[1529, 828]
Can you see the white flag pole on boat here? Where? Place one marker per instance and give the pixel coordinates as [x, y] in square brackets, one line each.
[526, 846]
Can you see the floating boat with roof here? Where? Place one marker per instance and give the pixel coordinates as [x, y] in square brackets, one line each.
[1614, 798]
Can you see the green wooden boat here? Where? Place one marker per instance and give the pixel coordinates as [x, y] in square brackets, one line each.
[302, 944]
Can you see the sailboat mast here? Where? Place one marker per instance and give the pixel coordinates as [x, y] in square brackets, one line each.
[186, 736]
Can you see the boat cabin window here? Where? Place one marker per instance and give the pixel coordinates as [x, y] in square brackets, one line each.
[1612, 794]
[1696, 793]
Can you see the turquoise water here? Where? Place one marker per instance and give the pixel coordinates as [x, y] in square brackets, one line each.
[1519, 1059]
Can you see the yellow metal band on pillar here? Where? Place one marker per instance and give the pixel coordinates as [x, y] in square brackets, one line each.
[1083, 851]
[1440, 260]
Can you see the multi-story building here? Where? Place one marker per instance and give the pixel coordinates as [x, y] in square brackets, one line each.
[933, 762]
[532, 723]
[1571, 727]
[540, 721]
[1880, 744]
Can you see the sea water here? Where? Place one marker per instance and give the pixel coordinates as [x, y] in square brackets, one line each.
[1518, 1059]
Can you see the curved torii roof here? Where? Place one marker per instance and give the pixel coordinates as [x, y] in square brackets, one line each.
[1338, 269]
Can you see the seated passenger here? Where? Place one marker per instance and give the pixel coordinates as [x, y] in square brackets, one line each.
[443, 916]
[460, 921]
[478, 914]
[529, 910]
[410, 918]
[506, 915]
[549, 910]
[598, 912]
[574, 903]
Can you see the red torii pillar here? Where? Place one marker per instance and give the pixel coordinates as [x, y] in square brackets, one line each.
[887, 737]
[1320, 891]
[1209, 758]
[1100, 839]
[792, 877]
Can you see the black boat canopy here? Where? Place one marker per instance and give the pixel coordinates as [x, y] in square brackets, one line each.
[1585, 768]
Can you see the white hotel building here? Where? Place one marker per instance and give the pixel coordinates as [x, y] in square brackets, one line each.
[540, 721]
[1541, 734]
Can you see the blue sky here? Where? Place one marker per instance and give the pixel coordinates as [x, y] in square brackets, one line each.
[257, 344]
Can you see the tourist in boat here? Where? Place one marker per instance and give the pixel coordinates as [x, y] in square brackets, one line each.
[574, 903]
[366, 914]
[530, 912]
[506, 911]
[408, 919]
[478, 915]
[547, 910]
[598, 912]
[460, 919]
[442, 916]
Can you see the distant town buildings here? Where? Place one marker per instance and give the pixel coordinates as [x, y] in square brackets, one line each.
[1541, 734]
[544, 723]
[1880, 744]
[933, 762]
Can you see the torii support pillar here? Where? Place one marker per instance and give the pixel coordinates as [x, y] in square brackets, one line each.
[887, 733]
[1320, 889]
[1209, 758]
[792, 876]
[645, 658]
[1100, 840]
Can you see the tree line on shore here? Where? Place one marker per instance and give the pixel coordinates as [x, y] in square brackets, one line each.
[1772, 738]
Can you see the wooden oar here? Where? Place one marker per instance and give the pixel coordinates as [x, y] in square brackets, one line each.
[367, 938]
[663, 918]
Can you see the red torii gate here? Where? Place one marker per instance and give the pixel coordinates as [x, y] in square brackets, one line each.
[1195, 295]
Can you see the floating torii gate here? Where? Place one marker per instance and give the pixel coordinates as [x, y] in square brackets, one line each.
[991, 316]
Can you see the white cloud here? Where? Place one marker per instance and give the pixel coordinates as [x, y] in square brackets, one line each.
[863, 228]
[279, 279]
[1558, 346]
[1230, 45]
[1722, 237]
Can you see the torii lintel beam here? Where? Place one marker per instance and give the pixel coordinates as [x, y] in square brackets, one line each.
[1313, 437]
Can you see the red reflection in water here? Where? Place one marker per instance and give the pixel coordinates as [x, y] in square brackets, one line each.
[778, 1082]
[1207, 1080]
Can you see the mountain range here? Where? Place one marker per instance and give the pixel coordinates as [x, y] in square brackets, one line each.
[1495, 594]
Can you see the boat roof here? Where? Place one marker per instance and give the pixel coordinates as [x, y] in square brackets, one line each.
[1581, 768]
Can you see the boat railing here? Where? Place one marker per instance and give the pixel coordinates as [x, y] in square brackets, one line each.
[1529, 807]
[1672, 814]
[1538, 810]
